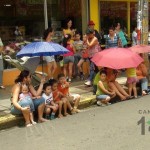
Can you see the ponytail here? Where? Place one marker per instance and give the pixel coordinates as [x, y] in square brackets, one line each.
[22, 75]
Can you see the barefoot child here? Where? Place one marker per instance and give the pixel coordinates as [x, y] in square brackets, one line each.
[63, 87]
[103, 93]
[50, 104]
[59, 98]
[132, 80]
[25, 95]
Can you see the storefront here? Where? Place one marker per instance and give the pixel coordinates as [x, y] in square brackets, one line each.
[107, 12]
[29, 16]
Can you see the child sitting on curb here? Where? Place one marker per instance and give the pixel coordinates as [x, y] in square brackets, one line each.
[50, 105]
[25, 95]
[103, 94]
[63, 86]
[60, 99]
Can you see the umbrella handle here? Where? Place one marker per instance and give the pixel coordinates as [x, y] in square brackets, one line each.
[42, 65]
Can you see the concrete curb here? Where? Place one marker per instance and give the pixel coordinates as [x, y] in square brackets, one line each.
[9, 120]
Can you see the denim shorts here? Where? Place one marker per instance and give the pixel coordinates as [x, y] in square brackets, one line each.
[68, 59]
[26, 102]
[37, 102]
[101, 97]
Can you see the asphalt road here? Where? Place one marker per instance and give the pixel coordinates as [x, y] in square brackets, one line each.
[97, 128]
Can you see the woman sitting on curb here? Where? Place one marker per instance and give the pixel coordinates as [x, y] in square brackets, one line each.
[114, 85]
[141, 72]
[23, 107]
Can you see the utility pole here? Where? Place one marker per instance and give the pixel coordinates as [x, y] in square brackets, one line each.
[45, 14]
[142, 25]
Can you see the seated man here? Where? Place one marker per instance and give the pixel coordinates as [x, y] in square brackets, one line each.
[141, 72]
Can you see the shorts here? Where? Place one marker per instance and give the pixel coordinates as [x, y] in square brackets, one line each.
[27, 102]
[37, 102]
[73, 97]
[132, 80]
[49, 58]
[101, 97]
[68, 59]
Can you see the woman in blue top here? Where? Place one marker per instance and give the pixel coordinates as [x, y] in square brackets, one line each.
[121, 35]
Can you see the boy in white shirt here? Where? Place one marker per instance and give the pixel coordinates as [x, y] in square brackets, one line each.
[50, 105]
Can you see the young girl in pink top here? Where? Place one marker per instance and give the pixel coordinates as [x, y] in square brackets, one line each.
[69, 57]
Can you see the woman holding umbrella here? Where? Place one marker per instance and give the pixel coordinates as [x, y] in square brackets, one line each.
[23, 107]
[51, 63]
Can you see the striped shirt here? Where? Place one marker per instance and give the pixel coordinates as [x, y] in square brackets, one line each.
[111, 42]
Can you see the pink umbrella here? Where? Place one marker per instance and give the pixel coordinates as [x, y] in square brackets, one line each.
[140, 48]
[117, 58]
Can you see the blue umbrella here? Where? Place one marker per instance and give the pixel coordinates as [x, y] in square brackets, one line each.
[42, 49]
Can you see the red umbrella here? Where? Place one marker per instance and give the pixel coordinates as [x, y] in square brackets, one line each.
[117, 58]
[140, 48]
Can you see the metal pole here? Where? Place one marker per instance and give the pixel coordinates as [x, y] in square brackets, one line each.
[143, 24]
[45, 14]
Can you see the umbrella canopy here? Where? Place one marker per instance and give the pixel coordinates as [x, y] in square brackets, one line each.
[117, 58]
[41, 49]
[140, 48]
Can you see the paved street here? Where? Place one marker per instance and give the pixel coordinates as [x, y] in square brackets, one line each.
[97, 128]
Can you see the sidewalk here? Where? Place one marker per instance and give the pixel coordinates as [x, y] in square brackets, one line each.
[7, 120]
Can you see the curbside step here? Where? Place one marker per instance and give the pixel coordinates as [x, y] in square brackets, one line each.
[9, 120]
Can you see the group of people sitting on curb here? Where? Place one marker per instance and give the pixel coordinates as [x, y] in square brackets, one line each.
[47, 99]
[54, 97]
[106, 87]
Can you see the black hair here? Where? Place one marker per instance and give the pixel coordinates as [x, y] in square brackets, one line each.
[103, 72]
[60, 75]
[133, 27]
[111, 28]
[89, 31]
[52, 82]
[46, 32]
[66, 22]
[65, 40]
[77, 32]
[116, 24]
[46, 85]
[23, 74]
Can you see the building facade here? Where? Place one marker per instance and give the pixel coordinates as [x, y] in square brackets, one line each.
[107, 12]
[29, 16]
